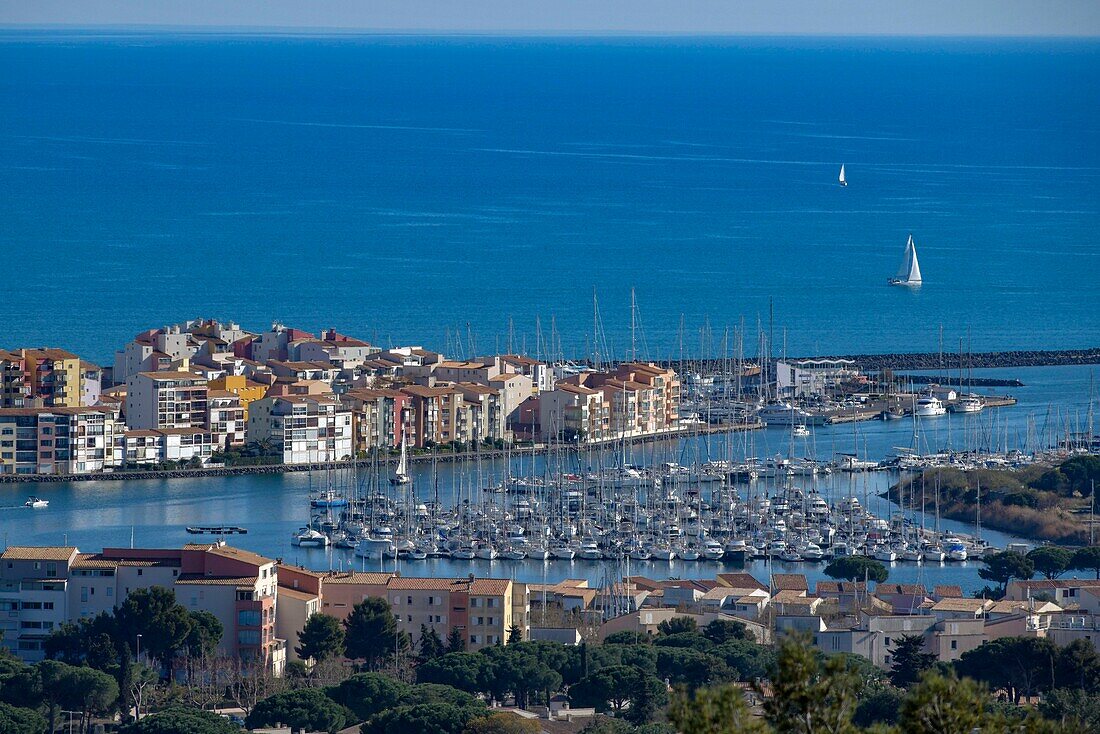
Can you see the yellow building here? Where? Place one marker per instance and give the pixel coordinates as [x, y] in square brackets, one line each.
[242, 387]
[54, 377]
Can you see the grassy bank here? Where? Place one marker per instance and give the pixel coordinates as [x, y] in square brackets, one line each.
[1049, 503]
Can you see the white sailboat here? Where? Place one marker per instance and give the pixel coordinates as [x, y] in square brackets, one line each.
[401, 474]
[843, 181]
[909, 272]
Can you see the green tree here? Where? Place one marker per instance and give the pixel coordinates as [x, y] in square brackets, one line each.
[1004, 566]
[857, 568]
[1078, 666]
[465, 671]
[367, 694]
[371, 633]
[717, 710]
[620, 688]
[502, 723]
[691, 668]
[943, 705]
[1050, 560]
[181, 720]
[321, 638]
[205, 633]
[430, 645]
[515, 634]
[809, 697]
[879, 705]
[627, 637]
[1020, 666]
[910, 660]
[307, 709]
[676, 625]
[456, 642]
[747, 660]
[425, 718]
[723, 630]
[1074, 709]
[16, 720]
[1087, 559]
[74, 688]
[153, 613]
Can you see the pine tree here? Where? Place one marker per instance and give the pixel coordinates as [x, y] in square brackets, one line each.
[515, 634]
[431, 646]
[456, 642]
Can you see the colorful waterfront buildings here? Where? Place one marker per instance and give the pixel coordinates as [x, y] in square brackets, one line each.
[59, 440]
[304, 428]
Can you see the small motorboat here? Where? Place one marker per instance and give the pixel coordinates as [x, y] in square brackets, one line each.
[36, 503]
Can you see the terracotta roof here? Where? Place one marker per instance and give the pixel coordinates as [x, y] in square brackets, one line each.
[786, 581]
[789, 596]
[906, 589]
[489, 587]
[359, 577]
[740, 581]
[197, 579]
[402, 583]
[840, 587]
[961, 605]
[228, 551]
[297, 594]
[947, 591]
[38, 552]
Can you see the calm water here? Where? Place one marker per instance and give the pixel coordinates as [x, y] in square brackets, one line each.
[155, 513]
[406, 189]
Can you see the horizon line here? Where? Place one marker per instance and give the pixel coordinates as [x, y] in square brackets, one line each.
[210, 29]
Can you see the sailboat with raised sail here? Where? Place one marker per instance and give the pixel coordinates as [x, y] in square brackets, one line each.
[401, 474]
[909, 272]
[843, 180]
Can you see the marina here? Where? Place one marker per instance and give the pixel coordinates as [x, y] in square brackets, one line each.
[1053, 405]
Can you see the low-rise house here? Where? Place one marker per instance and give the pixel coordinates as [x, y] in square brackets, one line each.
[964, 608]
[1063, 592]
[903, 598]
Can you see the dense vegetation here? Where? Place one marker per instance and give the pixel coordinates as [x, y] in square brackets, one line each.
[1046, 503]
[687, 679]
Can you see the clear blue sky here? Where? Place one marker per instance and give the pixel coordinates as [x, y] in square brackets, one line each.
[795, 17]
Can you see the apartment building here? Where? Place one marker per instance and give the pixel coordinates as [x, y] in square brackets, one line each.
[539, 373]
[434, 415]
[642, 398]
[570, 412]
[42, 588]
[377, 418]
[486, 412]
[245, 389]
[43, 377]
[33, 596]
[58, 440]
[484, 610]
[515, 389]
[157, 400]
[164, 349]
[225, 418]
[306, 428]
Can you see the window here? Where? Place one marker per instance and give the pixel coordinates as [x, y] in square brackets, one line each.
[248, 618]
[954, 644]
[84, 593]
[474, 639]
[886, 660]
[248, 637]
[887, 642]
[409, 600]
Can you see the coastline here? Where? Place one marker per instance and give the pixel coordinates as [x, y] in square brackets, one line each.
[381, 460]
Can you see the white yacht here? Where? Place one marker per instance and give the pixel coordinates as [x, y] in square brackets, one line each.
[929, 407]
[36, 503]
[885, 554]
[782, 413]
[933, 553]
[800, 430]
[968, 404]
[309, 538]
[909, 272]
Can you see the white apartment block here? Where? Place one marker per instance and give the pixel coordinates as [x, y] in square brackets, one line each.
[307, 428]
[166, 400]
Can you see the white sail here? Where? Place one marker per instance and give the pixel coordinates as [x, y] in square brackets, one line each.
[401, 475]
[909, 272]
[843, 182]
[914, 266]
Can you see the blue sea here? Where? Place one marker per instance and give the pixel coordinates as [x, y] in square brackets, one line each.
[450, 191]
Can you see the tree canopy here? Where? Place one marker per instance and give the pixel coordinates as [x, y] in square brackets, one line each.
[857, 568]
[321, 638]
[307, 709]
[1087, 559]
[371, 633]
[181, 720]
[1004, 566]
[1050, 560]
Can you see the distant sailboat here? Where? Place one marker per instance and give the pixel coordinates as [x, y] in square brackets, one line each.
[909, 272]
[843, 181]
[401, 474]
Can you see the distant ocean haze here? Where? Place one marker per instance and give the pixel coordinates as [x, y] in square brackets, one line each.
[407, 189]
